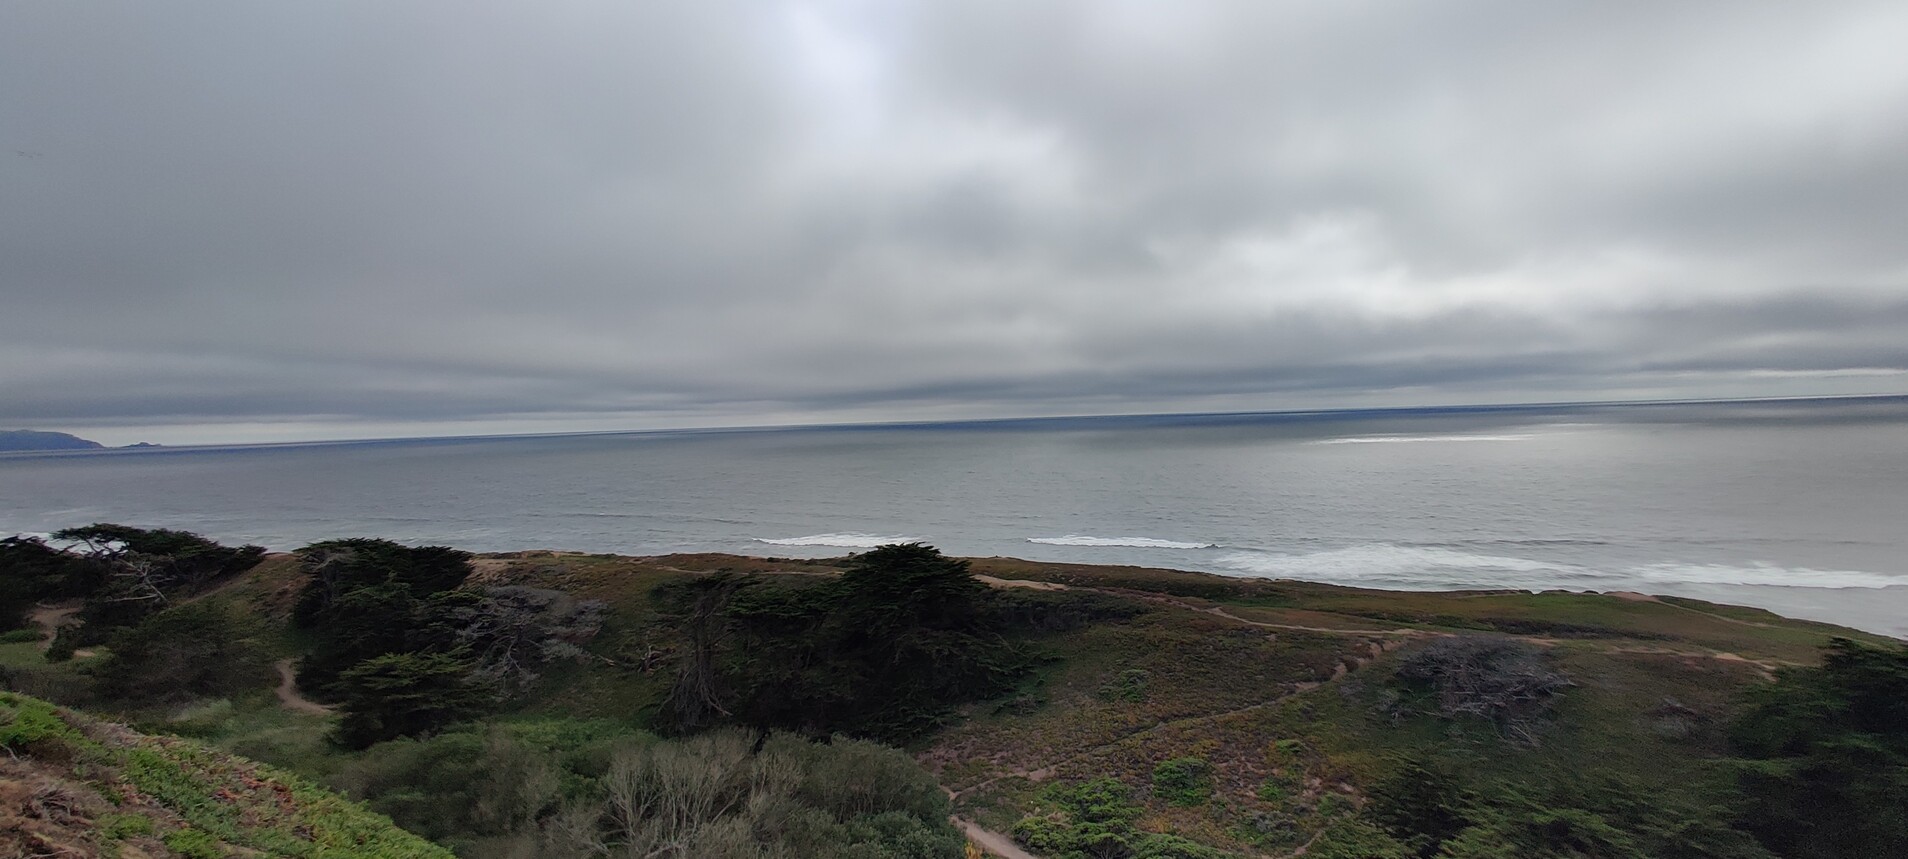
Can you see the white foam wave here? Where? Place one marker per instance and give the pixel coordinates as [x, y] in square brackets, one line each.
[1396, 567]
[1129, 542]
[1414, 439]
[1765, 574]
[840, 541]
[1405, 567]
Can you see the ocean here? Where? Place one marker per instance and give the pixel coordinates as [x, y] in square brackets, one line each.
[1798, 506]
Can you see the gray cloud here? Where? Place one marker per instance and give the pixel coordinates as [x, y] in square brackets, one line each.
[357, 216]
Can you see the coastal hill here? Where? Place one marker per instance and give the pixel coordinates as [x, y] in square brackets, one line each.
[549, 703]
[12, 440]
[15, 441]
[72, 785]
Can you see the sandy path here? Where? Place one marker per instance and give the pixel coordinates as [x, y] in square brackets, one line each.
[995, 582]
[993, 842]
[50, 618]
[289, 695]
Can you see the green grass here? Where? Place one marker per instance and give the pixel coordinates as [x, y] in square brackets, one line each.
[199, 801]
[22, 654]
[1282, 760]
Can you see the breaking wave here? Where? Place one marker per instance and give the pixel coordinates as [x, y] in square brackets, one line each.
[1765, 574]
[1384, 565]
[1413, 439]
[1129, 542]
[840, 541]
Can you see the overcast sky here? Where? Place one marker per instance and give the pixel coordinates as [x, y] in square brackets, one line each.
[261, 221]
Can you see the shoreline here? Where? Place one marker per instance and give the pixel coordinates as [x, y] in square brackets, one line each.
[1001, 570]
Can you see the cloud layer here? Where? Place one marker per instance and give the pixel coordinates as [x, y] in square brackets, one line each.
[363, 217]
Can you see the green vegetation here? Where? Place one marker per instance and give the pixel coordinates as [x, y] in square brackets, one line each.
[1823, 768]
[199, 650]
[1429, 811]
[729, 795]
[32, 571]
[1097, 820]
[75, 787]
[552, 704]
[405, 651]
[405, 695]
[885, 651]
[367, 598]
[127, 574]
[1183, 781]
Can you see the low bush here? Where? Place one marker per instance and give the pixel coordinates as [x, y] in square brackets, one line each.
[1096, 820]
[728, 794]
[1183, 781]
[1129, 686]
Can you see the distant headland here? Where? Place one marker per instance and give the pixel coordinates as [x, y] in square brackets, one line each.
[20, 440]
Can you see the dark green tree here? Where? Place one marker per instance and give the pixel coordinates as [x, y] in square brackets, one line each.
[31, 571]
[185, 561]
[885, 651]
[366, 598]
[196, 650]
[1421, 804]
[136, 572]
[1823, 768]
[406, 695]
[337, 567]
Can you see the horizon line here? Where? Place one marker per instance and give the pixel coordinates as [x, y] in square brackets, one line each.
[968, 422]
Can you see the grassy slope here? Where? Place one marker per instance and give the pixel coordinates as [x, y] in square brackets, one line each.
[71, 785]
[1655, 680]
[1273, 683]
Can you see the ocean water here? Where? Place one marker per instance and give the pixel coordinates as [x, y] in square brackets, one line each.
[1797, 506]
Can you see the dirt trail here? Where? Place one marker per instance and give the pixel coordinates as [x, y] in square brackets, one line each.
[1047, 771]
[1767, 666]
[993, 842]
[1004, 846]
[1042, 773]
[1217, 611]
[50, 618]
[289, 695]
[993, 581]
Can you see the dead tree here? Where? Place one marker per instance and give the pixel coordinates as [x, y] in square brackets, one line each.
[1501, 680]
[696, 700]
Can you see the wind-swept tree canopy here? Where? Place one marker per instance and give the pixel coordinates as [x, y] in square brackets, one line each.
[883, 651]
[1824, 773]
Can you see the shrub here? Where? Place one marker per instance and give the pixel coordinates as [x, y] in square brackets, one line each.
[1357, 839]
[66, 642]
[1183, 781]
[456, 785]
[32, 726]
[715, 795]
[193, 844]
[1095, 820]
[1130, 686]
